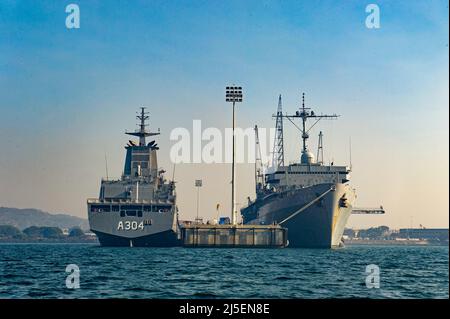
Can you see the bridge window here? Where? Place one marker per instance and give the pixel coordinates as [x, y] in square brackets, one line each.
[131, 210]
[140, 158]
[161, 208]
[100, 208]
[131, 207]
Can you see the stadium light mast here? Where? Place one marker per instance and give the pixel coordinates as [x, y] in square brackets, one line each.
[233, 95]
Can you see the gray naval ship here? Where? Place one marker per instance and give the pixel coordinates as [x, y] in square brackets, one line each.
[139, 209]
[311, 199]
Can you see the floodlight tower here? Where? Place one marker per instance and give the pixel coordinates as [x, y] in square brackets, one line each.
[233, 94]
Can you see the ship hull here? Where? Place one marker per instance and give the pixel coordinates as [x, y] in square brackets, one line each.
[321, 225]
[153, 229]
[164, 239]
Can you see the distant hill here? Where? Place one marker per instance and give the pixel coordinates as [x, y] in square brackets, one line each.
[23, 218]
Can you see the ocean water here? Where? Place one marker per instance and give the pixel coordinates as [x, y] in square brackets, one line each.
[38, 271]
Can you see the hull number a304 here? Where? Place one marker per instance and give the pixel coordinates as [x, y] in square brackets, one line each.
[130, 225]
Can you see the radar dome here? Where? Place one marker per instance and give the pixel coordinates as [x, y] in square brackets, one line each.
[307, 157]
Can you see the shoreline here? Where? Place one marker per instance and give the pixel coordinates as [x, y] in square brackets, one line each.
[346, 244]
[50, 241]
[375, 242]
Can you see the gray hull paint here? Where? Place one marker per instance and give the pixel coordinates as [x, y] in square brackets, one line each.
[163, 230]
[319, 226]
[164, 239]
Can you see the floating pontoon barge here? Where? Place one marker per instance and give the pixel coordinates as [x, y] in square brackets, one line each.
[230, 236]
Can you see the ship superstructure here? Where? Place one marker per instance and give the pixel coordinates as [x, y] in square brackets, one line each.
[139, 209]
[311, 199]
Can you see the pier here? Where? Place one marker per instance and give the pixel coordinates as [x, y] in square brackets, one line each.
[233, 236]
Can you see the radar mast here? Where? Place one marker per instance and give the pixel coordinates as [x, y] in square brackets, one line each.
[304, 114]
[142, 133]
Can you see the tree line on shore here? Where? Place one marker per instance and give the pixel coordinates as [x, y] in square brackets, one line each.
[39, 232]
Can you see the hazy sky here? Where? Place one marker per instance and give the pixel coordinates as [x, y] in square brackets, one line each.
[68, 95]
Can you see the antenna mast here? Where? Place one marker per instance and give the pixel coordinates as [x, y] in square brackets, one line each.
[106, 166]
[278, 145]
[173, 173]
[259, 177]
[350, 150]
[306, 113]
[142, 117]
[320, 149]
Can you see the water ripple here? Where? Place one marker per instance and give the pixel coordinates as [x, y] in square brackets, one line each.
[38, 271]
